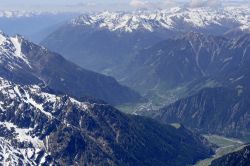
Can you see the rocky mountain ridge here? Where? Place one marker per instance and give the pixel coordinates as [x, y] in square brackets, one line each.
[26, 63]
[40, 128]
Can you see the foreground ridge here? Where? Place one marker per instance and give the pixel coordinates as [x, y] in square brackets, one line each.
[41, 128]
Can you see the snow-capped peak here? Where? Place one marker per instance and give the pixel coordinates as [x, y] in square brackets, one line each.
[30, 148]
[174, 18]
[11, 51]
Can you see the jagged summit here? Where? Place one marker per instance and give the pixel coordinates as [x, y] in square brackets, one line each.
[170, 19]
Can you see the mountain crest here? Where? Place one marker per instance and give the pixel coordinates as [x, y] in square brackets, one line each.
[44, 128]
[173, 19]
[24, 62]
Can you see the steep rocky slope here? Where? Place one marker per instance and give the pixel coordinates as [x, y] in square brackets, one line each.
[38, 127]
[194, 56]
[212, 110]
[26, 63]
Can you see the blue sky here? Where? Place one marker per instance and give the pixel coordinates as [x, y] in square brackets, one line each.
[74, 5]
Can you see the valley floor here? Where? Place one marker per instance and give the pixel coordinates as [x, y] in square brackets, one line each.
[226, 145]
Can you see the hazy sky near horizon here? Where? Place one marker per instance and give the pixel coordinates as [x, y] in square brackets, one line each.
[75, 5]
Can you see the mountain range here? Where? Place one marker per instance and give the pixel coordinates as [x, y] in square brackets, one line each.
[194, 56]
[105, 41]
[197, 73]
[26, 63]
[210, 76]
[182, 72]
[41, 128]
